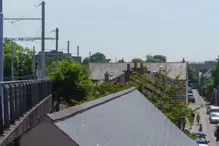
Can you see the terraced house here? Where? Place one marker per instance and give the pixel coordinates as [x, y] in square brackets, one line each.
[176, 73]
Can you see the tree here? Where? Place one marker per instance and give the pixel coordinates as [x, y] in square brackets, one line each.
[163, 95]
[121, 61]
[193, 75]
[71, 82]
[215, 73]
[149, 58]
[20, 54]
[98, 57]
[137, 60]
[50, 65]
[156, 58]
[86, 60]
[159, 58]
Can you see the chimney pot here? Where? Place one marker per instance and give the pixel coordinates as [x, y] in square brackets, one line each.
[128, 67]
[135, 65]
[106, 76]
[142, 65]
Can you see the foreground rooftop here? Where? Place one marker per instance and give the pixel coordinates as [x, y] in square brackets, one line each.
[125, 118]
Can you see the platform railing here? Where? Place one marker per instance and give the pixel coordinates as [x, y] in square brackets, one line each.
[18, 97]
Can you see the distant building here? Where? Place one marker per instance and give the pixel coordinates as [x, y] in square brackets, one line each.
[52, 54]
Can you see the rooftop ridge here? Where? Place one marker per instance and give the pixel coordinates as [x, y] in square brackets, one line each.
[72, 111]
[131, 62]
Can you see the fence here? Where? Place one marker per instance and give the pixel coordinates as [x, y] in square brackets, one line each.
[31, 77]
[18, 97]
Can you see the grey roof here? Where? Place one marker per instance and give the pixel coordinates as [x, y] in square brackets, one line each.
[116, 69]
[208, 73]
[126, 119]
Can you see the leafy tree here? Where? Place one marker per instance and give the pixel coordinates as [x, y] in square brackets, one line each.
[163, 95]
[209, 91]
[149, 58]
[71, 82]
[215, 74]
[159, 58]
[193, 75]
[98, 57]
[50, 65]
[121, 61]
[156, 58]
[138, 60]
[86, 60]
[209, 62]
[25, 55]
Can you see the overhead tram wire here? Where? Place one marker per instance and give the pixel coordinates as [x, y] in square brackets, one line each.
[12, 20]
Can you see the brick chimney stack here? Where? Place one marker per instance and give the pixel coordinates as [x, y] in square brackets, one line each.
[127, 72]
[135, 65]
[143, 69]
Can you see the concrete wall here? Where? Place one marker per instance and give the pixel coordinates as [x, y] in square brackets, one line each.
[46, 134]
[29, 120]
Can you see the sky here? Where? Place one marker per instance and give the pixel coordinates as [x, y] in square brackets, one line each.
[122, 28]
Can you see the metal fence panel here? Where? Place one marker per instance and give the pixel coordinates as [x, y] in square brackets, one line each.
[19, 97]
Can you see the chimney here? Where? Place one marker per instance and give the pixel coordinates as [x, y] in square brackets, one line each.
[142, 71]
[106, 75]
[160, 69]
[127, 72]
[141, 65]
[128, 67]
[135, 65]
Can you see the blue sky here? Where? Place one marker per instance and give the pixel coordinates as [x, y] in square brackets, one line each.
[123, 28]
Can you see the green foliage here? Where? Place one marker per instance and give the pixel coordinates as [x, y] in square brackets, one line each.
[215, 74]
[72, 84]
[193, 75]
[98, 57]
[164, 95]
[25, 54]
[86, 60]
[210, 87]
[156, 58]
[50, 65]
[137, 60]
[160, 58]
[105, 89]
[71, 81]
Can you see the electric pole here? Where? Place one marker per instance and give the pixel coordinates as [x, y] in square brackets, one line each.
[12, 61]
[57, 45]
[90, 56]
[34, 63]
[43, 61]
[68, 47]
[77, 51]
[1, 43]
[1, 67]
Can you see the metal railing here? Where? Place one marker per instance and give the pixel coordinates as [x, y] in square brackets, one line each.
[31, 77]
[18, 97]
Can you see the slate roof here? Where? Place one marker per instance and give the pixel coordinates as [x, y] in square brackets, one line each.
[208, 73]
[116, 69]
[125, 118]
